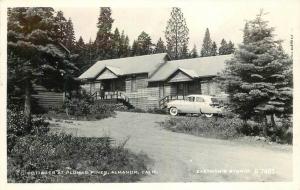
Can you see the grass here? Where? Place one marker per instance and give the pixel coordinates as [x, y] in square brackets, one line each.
[63, 155]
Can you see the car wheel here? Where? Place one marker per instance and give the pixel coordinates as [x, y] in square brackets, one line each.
[173, 111]
[208, 115]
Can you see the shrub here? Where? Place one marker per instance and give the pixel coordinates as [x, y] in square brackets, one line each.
[157, 111]
[251, 129]
[137, 110]
[230, 126]
[79, 104]
[82, 105]
[282, 133]
[223, 128]
[16, 126]
[63, 152]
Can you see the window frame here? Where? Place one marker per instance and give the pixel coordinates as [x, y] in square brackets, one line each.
[197, 99]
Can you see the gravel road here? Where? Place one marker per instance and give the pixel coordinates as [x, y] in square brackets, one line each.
[181, 157]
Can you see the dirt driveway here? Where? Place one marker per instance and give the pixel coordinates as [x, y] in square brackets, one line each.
[182, 158]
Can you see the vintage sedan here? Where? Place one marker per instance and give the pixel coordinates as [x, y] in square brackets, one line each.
[195, 104]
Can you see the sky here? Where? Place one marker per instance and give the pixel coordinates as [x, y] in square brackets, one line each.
[225, 19]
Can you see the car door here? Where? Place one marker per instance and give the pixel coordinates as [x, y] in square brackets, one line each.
[199, 105]
[188, 106]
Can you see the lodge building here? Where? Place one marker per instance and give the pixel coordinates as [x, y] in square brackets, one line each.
[149, 81]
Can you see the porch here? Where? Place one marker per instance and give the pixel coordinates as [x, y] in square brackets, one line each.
[178, 90]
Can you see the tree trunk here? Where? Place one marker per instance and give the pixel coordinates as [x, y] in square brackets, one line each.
[273, 120]
[27, 104]
[265, 125]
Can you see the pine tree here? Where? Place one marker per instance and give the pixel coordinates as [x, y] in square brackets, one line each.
[194, 53]
[123, 46]
[143, 44]
[184, 52]
[230, 47]
[134, 48]
[160, 46]
[207, 45]
[34, 53]
[214, 49]
[226, 48]
[223, 47]
[82, 59]
[116, 44]
[61, 27]
[91, 48]
[103, 42]
[126, 47]
[259, 77]
[176, 34]
[70, 35]
[80, 43]
[246, 33]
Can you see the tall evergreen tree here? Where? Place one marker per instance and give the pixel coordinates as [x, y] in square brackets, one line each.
[103, 42]
[226, 48]
[143, 44]
[230, 47]
[61, 27]
[80, 43]
[194, 52]
[207, 45]
[184, 52]
[91, 48]
[246, 33]
[160, 46]
[126, 47]
[34, 53]
[70, 35]
[81, 49]
[223, 47]
[259, 77]
[134, 48]
[176, 34]
[116, 44]
[214, 49]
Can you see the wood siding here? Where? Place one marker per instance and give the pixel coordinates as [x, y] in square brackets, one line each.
[47, 99]
[180, 77]
[209, 87]
[144, 97]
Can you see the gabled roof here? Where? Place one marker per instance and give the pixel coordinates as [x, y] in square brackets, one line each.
[106, 74]
[189, 72]
[129, 65]
[196, 67]
[115, 70]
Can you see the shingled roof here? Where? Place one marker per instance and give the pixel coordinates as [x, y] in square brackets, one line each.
[129, 65]
[196, 67]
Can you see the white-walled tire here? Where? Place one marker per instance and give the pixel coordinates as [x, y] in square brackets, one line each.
[173, 111]
[208, 115]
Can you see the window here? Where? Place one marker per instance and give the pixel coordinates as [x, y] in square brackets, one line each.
[191, 99]
[133, 84]
[199, 99]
